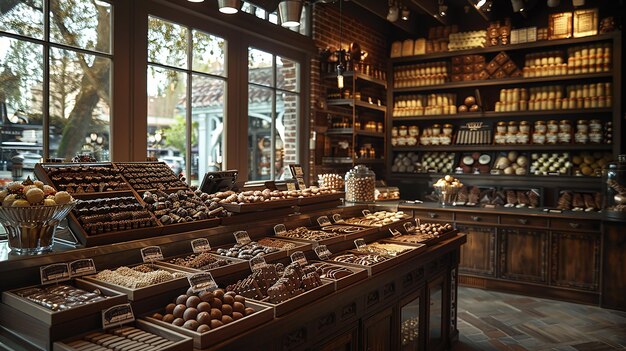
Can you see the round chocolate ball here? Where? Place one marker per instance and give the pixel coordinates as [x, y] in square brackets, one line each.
[179, 310]
[227, 309]
[190, 292]
[219, 293]
[169, 309]
[237, 315]
[179, 322]
[216, 323]
[193, 301]
[227, 319]
[168, 318]
[216, 303]
[157, 316]
[216, 313]
[206, 296]
[248, 311]
[190, 313]
[204, 307]
[191, 324]
[228, 299]
[181, 299]
[240, 298]
[231, 293]
[203, 318]
[203, 328]
[239, 307]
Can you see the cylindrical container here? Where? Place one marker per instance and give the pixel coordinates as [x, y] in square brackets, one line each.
[501, 127]
[524, 127]
[552, 138]
[540, 127]
[512, 127]
[553, 126]
[595, 125]
[360, 184]
[565, 126]
[403, 131]
[582, 126]
[539, 138]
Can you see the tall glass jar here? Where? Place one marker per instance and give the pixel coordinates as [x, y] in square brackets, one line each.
[614, 180]
[360, 184]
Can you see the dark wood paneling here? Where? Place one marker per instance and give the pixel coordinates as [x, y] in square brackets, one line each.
[478, 254]
[433, 214]
[377, 331]
[347, 341]
[476, 217]
[523, 255]
[524, 221]
[572, 224]
[575, 260]
[614, 267]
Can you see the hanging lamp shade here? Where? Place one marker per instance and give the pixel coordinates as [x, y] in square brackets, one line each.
[229, 7]
[290, 12]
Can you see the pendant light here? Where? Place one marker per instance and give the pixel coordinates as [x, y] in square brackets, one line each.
[290, 12]
[340, 66]
[229, 7]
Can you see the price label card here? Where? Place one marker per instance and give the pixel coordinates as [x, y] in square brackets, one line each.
[409, 227]
[360, 244]
[270, 184]
[301, 183]
[200, 245]
[337, 218]
[201, 282]
[151, 254]
[366, 212]
[322, 252]
[323, 221]
[242, 237]
[117, 316]
[82, 267]
[394, 232]
[291, 186]
[256, 263]
[299, 257]
[57, 272]
[280, 229]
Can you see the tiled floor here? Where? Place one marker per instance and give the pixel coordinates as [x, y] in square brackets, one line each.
[490, 320]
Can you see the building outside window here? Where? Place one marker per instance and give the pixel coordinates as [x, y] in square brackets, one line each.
[55, 82]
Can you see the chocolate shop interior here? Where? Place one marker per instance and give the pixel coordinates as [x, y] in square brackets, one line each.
[312, 175]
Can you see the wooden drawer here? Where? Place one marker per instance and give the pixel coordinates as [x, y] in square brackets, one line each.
[477, 218]
[524, 221]
[575, 225]
[433, 214]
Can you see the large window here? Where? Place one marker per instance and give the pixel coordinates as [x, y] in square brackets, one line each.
[186, 86]
[273, 112]
[55, 82]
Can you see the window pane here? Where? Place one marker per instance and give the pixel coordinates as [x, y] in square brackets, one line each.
[84, 24]
[167, 136]
[207, 114]
[167, 43]
[286, 136]
[260, 67]
[259, 132]
[246, 7]
[287, 74]
[21, 119]
[208, 53]
[80, 106]
[23, 17]
[273, 18]
[259, 12]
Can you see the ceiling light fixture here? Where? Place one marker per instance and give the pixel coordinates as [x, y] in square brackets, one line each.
[518, 5]
[340, 66]
[290, 12]
[405, 14]
[228, 7]
[443, 8]
[393, 13]
[577, 3]
[553, 3]
[480, 3]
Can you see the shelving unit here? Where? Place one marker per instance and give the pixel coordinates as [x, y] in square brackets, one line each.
[418, 184]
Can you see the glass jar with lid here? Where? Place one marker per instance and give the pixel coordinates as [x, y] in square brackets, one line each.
[614, 183]
[360, 184]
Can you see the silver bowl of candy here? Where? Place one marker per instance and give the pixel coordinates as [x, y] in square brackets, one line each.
[447, 189]
[30, 214]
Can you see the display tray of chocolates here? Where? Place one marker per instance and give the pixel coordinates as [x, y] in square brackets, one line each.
[270, 248]
[285, 288]
[150, 175]
[323, 195]
[139, 335]
[312, 235]
[378, 256]
[78, 178]
[141, 281]
[62, 302]
[210, 317]
[425, 233]
[342, 276]
[377, 219]
[347, 230]
[472, 196]
[254, 200]
[205, 261]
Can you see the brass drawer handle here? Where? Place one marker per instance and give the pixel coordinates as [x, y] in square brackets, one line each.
[522, 220]
[433, 214]
[475, 218]
[574, 225]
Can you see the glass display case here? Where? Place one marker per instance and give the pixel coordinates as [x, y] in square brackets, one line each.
[614, 181]
[409, 324]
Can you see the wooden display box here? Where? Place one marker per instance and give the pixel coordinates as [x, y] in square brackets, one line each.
[274, 256]
[431, 242]
[320, 198]
[357, 275]
[190, 226]
[310, 296]
[384, 265]
[181, 342]
[235, 265]
[41, 326]
[239, 218]
[260, 206]
[264, 313]
[329, 241]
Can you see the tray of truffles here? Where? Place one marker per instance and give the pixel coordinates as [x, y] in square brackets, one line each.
[270, 248]
[349, 231]
[377, 219]
[210, 317]
[184, 210]
[218, 265]
[78, 178]
[579, 200]
[120, 214]
[150, 175]
[378, 256]
[139, 335]
[62, 302]
[254, 200]
[313, 195]
[341, 275]
[141, 281]
[284, 288]
[424, 233]
[313, 235]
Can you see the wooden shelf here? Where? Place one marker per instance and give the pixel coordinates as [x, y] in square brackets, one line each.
[369, 161]
[505, 81]
[508, 147]
[348, 161]
[356, 75]
[497, 115]
[349, 131]
[357, 103]
[564, 179]
[370, 134]
[492, 49]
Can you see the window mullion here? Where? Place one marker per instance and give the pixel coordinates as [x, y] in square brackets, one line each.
[46, 81]
[188, 115]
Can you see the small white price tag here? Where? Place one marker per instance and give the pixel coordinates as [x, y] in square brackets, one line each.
[54, 273]
[242, 237]
[280, 229]
[117, 316]
[299, 257]
[360, 244]
[151, 254]
[200, 245]
[337, 218]
[366, 212]
[394, 232]
[201, 282]
[323, 221]
[82, 267]
[256, 263]
[322, 252]
[409, 227]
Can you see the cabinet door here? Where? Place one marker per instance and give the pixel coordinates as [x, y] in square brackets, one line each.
[575, 260]
[343, 342]
[378, 330]
[410, 317]
[478, 253]
[437, 315]
[524, 255]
